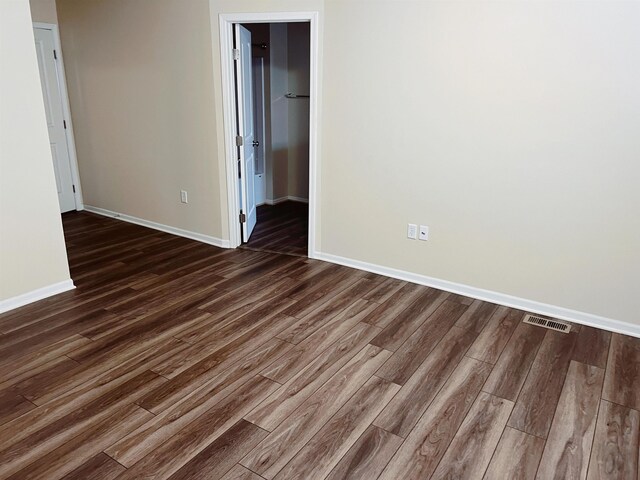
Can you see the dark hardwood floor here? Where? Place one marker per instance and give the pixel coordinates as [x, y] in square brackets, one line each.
[281, 228]
[175, 359]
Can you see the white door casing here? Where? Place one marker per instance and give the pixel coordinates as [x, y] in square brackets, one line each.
[246, 128]
[53, 102]
[225, 23]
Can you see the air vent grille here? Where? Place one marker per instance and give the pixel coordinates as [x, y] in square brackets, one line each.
[556, 325]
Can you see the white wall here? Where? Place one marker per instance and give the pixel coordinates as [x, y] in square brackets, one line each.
[32, 249]
[510, 128]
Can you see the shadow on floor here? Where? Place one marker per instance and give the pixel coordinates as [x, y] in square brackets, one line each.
[282, 228]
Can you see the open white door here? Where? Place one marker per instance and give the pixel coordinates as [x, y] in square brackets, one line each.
[246, 129]
[45, 49]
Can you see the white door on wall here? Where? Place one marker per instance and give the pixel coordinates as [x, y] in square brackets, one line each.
[51, 92]
[246, 129]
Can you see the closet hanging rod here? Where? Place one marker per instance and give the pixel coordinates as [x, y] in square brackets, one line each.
[295, 95]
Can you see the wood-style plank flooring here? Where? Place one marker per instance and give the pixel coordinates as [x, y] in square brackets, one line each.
[177, 360]
[281, 228]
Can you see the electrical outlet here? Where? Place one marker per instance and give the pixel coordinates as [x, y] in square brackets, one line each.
[183, 196]
[412, 231]
[424, 232]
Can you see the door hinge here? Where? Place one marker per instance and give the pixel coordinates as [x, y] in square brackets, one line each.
[239, 141]
[243, 218]
[55, 55]
[64, 124]
[74, 188]
[236, 54]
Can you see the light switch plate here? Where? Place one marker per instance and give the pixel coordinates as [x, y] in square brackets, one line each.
[412, 231]
[424, 232]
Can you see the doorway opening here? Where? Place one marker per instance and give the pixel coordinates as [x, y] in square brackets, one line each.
[279, 106]
[270, 98]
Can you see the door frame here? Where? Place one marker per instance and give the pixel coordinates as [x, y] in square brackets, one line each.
[226, 21]
[66, 112]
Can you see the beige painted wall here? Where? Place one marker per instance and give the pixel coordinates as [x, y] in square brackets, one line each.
[510, 128]
[140, 78]
[44, 11]
[32, 250]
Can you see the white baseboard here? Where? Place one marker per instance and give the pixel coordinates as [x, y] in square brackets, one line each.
[35, 295]
[276, 201]
[218, 242]
[575, 316]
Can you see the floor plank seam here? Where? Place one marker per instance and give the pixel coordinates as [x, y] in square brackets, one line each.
[540, 460]
[479, 360]
[72, 359]
[526, 377]
[275, 381]
[553, 417]
[255, 473]
[435, 468]
[145, 409]
[26, 400]
[105, 453]
[594, 432]
[493, 454]
[619, 405]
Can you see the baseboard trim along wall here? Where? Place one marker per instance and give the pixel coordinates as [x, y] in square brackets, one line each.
[276, 201]
[562, 313]
[217, 242]
[35, 295]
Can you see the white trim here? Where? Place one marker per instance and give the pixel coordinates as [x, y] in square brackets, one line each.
[276, 201]
[35, 295]
[66, 112]
[199, 237]
[226, 45]
[562, 313]
[226, 22]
